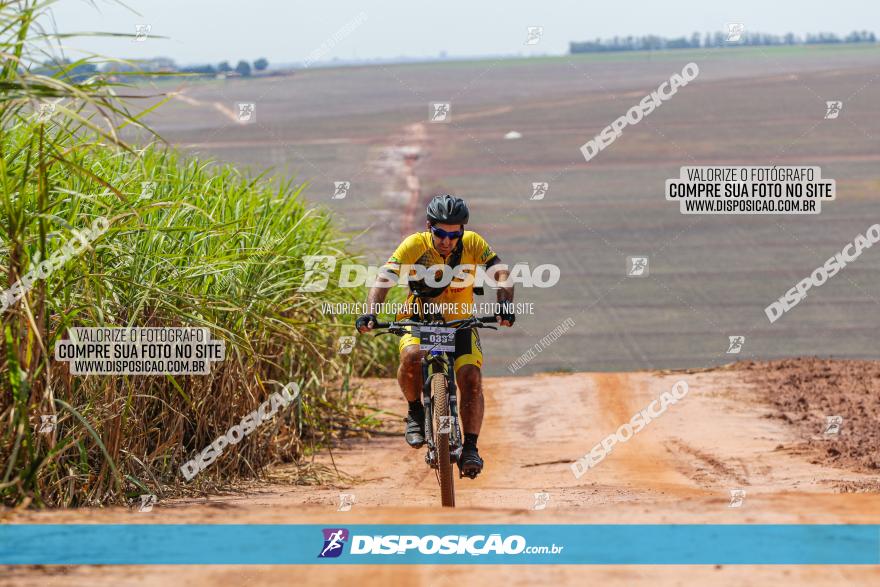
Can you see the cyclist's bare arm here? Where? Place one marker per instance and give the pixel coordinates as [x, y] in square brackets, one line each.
[377, 296]
[505, 292]
[505, 287]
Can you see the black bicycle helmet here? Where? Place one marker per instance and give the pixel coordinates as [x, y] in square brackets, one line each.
[448, 210]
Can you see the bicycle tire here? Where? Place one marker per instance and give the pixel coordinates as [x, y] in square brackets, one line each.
[439, 391]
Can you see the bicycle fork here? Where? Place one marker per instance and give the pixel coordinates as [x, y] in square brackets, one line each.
[448, 371]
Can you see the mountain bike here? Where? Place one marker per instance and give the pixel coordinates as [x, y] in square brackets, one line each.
[442, 431]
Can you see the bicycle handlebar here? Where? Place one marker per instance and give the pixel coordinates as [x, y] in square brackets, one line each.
[478, 322]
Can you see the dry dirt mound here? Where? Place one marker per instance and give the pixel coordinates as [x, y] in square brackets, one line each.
[809, 391]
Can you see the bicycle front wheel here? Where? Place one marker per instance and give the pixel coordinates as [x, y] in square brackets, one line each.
[439, 391]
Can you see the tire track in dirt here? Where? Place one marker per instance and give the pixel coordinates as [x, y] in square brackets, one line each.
[643, 462]
[219, 106]
[402, 192]
[483, 113]
[704, 468]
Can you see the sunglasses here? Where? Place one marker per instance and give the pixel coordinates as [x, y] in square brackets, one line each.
[440, 233]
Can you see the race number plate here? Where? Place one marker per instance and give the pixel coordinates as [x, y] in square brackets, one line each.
[437, 338]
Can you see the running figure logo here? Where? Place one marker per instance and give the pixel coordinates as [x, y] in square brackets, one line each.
[539, 190]
[735, 31]
[736, 344]
[346, 500]
[334, 540]
[147, 189]
[48, 423]
[534, 34]
[247, 112]
[737, 497]
[440, 111]
[340, 189]
[346, 344]
[833, 424]
[148, 500]
[636, 266]
[541, 500]
[832, 109]
[317, 272]
[141, 32]
[46, 110]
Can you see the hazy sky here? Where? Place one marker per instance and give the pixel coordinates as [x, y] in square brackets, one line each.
[209, 31]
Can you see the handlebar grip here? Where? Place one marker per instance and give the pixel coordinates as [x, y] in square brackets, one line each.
[381, 324]
[488, 320]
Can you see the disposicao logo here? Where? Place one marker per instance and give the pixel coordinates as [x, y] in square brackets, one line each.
[334, 540]
[450, 544]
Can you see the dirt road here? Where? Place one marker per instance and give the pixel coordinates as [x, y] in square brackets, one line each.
[679, 469]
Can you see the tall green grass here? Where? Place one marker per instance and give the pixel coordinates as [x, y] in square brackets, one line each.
[211, 246]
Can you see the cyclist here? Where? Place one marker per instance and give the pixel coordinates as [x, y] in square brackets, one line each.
[445, 242]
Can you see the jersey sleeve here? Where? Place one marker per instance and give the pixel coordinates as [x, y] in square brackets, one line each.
[406, 253]
[480, 249]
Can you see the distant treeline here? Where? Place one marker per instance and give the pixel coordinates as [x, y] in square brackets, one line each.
[79, 71]
[718, 39]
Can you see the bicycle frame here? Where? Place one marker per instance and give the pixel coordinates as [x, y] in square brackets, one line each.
[438, 362]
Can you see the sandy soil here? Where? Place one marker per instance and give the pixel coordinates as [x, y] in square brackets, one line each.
[834, 404]
[679, 469]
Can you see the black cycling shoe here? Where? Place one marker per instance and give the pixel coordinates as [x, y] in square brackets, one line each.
[415, 431]
[470, 464]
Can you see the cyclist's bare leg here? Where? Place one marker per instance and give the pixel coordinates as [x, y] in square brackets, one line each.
[469, 380]
[409, 375]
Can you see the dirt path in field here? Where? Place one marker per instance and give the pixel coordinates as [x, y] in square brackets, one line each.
[219, 106]
[402, 191]
[680, 468]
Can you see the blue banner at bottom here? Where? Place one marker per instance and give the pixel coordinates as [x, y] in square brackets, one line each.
[210, 544]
